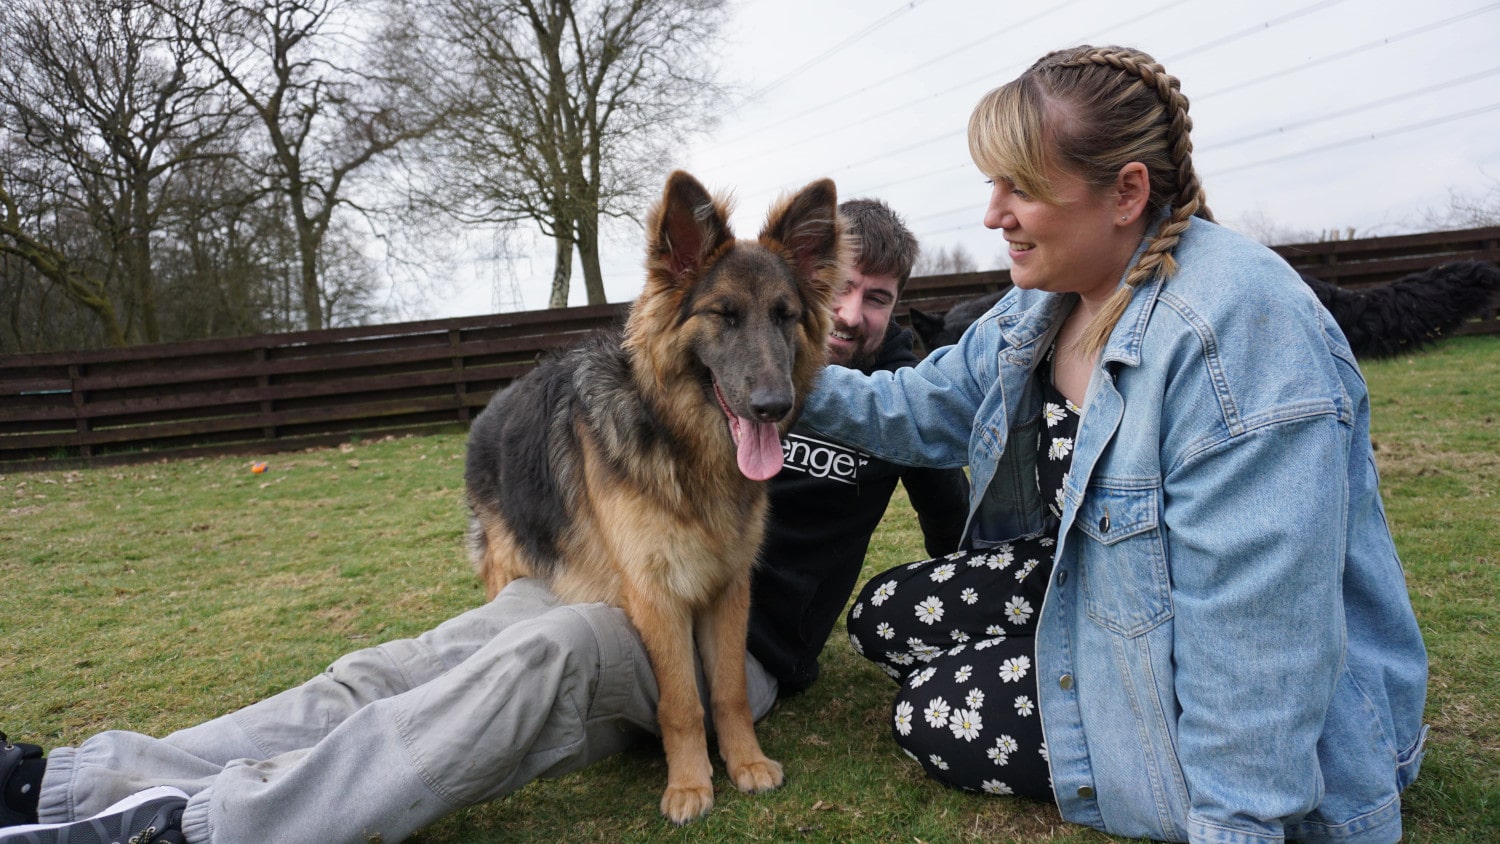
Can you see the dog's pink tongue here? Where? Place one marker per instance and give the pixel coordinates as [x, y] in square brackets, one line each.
[759, 450]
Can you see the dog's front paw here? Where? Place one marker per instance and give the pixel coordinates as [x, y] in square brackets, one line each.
[683, 803]
[757, 775]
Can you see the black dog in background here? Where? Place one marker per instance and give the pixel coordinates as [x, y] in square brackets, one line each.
[1403, 316]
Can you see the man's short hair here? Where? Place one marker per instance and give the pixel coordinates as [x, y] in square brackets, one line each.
[883, 245]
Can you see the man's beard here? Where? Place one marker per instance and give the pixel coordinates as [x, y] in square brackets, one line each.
[864, 354]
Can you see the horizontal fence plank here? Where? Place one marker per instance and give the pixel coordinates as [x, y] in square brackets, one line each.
[268, 393]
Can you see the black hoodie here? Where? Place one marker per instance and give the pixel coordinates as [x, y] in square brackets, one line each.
[825, 505]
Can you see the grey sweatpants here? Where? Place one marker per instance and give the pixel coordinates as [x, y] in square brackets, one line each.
[391, 738]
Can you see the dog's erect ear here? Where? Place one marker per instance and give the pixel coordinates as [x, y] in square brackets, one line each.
[685, 227]
[808, 225]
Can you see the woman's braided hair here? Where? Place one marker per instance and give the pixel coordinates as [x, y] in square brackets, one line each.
[1090, 111]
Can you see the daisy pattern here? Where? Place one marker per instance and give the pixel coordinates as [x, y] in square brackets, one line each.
[1043, 750]
[904, 712]
[1061, 447]
[1057, 503]
[854, 642]
[936, 712]
[859, 610]
[954, 715]
[1014, 669]
[1053, 413]
[990, 642]
[927, 653]
[930, 611]
[965, 724]
[1077, 411]
[1017, 610]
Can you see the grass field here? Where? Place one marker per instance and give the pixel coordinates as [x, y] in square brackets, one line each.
[152, 597]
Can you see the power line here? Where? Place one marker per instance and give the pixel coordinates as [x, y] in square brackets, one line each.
[836, 49]
[1399, 130]
[1343, 54]
[1322, 118]
[1254, 30]
[1008, 29]
[1217, 42]
[988, 75]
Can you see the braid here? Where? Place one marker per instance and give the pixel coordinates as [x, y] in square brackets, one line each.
[1186, 201]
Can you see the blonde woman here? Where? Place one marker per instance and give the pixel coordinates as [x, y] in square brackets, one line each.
[1179, 612]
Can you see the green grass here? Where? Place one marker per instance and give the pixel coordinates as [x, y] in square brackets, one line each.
[153, 597]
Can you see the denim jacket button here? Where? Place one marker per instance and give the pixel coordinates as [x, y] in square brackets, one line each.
[1104, 523]
[1065, 681]
[1062, 577]
[1085, 791]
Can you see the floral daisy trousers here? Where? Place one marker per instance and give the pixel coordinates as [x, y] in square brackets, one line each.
[958, 634]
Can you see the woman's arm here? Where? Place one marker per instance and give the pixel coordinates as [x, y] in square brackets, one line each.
[1255, 531]
[915, 416]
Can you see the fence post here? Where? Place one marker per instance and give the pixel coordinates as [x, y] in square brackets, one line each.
[80, 416]
[263, 383]
[460, 387]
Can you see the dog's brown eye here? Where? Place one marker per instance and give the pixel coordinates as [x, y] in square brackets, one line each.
[731, 318]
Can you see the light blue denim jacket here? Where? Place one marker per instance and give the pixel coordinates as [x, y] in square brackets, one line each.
[1227, 651]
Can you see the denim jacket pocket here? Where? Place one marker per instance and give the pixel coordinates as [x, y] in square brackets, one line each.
[1123, 557]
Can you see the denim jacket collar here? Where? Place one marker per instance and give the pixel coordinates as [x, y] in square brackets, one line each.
[1124, 344]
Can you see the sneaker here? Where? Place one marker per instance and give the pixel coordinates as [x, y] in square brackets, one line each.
[153, 816]
[12, 755]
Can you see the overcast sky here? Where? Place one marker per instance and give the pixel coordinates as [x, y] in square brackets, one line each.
[1309, 115]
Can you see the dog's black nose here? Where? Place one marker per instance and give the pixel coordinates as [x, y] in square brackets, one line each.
[770, 406]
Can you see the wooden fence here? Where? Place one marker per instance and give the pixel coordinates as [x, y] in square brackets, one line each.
[290, 391]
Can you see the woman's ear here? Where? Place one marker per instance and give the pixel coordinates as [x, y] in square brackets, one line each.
[1132, 192]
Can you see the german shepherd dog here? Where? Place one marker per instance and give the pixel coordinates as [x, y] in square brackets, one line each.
[629, 470]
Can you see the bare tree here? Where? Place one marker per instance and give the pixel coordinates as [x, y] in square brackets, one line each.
[331, 84]
[945, 260]
[1466, 209]
[101, 108]
[570, 111]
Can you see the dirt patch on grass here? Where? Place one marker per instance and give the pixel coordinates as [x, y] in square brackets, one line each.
[1417, 458]
[1018, 820]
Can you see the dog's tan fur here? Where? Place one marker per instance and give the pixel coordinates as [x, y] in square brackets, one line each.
[669, 529]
